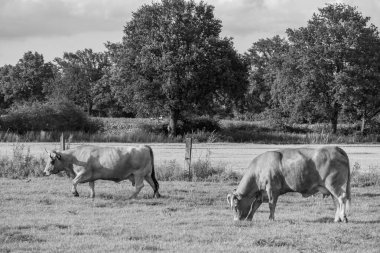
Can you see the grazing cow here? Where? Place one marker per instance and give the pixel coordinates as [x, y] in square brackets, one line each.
[304, 170]
[90, 163]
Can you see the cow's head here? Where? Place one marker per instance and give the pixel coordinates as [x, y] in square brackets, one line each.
[243, 207]
[54, 163]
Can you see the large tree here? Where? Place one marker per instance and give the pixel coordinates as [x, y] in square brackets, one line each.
[172, 61]
[266, 57]
[26, 80]
[80, 71]
[327, 50]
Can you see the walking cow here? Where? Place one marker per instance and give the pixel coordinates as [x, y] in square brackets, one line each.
[90, 163]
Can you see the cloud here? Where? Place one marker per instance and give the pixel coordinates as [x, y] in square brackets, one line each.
[54, 26]
[33, 18]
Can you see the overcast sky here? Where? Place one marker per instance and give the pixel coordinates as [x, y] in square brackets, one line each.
[52, 27]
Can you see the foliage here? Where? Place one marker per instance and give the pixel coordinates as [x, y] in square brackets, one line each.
[333, 43]
[26, 80]
[364, 179]
[171, 60]
[134, 130]
[265, 57]
[327, 67]
[81, 80]
[21, 164]
[56, 115]
[170, 171]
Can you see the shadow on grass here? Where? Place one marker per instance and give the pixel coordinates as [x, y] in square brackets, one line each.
[365, 222]
[370, 195]
[275, 242]
[323, 220]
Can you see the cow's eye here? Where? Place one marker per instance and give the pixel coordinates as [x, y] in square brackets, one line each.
[52, 162]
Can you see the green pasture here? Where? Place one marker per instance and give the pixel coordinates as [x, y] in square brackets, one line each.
[41, 215]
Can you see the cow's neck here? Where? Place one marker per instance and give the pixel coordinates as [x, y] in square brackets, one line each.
[69, 161]
[248, 186]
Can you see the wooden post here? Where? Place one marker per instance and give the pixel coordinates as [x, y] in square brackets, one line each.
[63, 145]
[189, 143]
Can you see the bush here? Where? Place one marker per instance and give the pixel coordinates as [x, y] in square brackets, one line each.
[202, 123]
[170, 171]
[203, 169]
[21, 164]
[60, 115]
[185, 126]
[364, 179]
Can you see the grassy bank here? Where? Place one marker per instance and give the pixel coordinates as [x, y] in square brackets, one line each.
[152, 130]
[40, 215]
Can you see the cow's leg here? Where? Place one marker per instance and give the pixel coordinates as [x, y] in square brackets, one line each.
[74, 191]
[139, 184]
[339, 197]
[272, 207]
[335, 201]
[92, 188]
[154, 186]
[272, 200]
[80, 178]
[132, 179]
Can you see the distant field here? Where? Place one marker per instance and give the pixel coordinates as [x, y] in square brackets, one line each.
[40, 215]
[235, 156]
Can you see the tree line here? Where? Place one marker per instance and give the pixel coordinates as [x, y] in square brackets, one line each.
[173, 61]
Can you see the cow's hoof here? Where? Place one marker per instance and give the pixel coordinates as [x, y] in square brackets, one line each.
[345, 220]
[157, 195]
[76, 194]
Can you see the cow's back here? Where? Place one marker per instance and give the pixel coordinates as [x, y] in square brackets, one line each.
[112, 163]
[305, 168]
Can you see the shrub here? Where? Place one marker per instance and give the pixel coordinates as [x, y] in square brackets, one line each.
[202, 123]
[185, 126]
[170, 171]
[203, 169]
[60, 115]
[21, 164]
[364, 179]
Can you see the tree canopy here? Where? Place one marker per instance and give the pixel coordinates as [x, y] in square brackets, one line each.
[173, 61]
[330, 65]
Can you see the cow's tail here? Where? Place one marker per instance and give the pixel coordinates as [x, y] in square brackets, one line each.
[348, 190]
[153, 175]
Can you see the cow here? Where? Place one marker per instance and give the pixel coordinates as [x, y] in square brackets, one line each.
[90, 163]
[303, 170]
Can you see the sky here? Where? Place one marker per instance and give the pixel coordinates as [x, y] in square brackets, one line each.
[52, 27]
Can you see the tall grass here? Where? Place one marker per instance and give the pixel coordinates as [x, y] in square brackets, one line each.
[201, 170]
[21, 164]
[153, 130]
[364, 179]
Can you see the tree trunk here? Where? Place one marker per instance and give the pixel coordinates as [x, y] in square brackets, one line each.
[363, 124]
[334, 121]
[89, 108]
[172, 128]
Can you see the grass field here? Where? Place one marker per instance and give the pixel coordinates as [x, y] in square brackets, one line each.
[40, 215]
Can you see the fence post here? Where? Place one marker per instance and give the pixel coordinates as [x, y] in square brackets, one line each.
[189, 143]
[63, 145]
